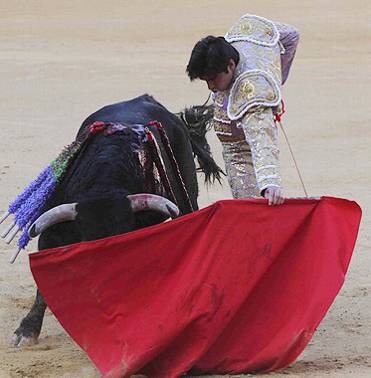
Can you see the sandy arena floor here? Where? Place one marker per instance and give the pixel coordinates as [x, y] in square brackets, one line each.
[62, 60]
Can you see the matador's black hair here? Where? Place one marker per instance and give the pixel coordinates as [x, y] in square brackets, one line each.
[210, 56]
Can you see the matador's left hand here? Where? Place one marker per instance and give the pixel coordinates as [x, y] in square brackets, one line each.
[274, 195]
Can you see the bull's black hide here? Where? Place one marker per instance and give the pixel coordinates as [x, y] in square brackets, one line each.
[104, 172]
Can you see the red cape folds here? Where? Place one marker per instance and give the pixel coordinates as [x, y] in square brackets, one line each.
[238, 286]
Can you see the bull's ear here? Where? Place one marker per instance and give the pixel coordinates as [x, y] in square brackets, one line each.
[146, 201]
[58, 214]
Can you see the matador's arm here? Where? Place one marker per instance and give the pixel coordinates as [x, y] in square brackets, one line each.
[262, 136]
[289, 38]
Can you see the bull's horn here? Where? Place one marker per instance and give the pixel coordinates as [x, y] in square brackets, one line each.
[4, 216]
[145, 201]
[58, 214]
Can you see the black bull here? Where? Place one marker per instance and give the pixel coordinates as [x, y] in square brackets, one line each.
[104, 173]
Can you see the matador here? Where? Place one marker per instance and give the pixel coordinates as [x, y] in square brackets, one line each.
[245, 71]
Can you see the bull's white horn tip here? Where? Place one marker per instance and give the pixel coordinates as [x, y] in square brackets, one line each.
[32, 231]
[173, 210]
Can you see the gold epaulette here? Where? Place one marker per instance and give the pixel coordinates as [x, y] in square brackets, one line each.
[252, 88]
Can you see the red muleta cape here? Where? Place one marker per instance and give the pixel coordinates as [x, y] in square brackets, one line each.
[236, 287]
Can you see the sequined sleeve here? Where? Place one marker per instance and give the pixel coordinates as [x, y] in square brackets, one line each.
[262, 136]
[289, 38]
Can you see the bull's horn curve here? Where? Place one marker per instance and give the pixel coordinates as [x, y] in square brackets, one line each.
[58, 214]
[146, 201]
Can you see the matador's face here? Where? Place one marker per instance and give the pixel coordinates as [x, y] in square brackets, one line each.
[222, 80]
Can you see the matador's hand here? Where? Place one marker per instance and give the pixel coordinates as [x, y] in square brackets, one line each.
[274, 195]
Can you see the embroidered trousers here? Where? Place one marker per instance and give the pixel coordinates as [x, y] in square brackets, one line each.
[252, 161]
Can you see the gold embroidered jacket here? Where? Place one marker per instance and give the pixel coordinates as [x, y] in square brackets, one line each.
[264, 64]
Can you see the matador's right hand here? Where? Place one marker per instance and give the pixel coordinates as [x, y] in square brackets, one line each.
[274, 195]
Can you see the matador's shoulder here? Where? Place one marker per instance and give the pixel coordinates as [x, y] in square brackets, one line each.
[255, 29]
[252, 88]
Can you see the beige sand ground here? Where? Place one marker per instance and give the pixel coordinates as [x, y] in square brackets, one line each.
[61, 60]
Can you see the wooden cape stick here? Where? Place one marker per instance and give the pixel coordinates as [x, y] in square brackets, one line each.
[293, 158]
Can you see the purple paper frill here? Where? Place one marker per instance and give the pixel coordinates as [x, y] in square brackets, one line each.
[21, 198]
[29, 204]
